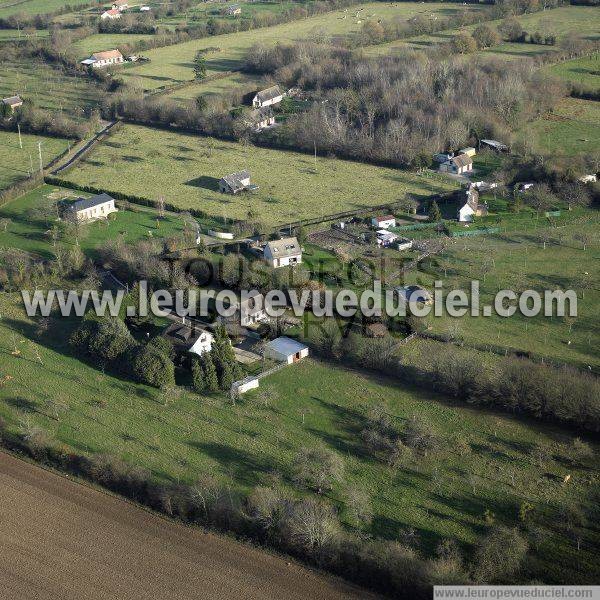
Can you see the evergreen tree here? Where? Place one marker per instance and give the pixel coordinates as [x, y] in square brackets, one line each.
[211, 382]
[198, 379]
[199, 66]
[435, 216]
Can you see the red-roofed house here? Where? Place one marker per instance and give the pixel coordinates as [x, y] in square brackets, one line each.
[384, 222]
[103, 59]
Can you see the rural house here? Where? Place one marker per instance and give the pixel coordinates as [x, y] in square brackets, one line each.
[90, 209]
[13, 102]
[285, 349]
[414, 293]
[233, 10]
[283, 253]
[120, 5]
[251, 310]
[103, 59]
[267, 97]
[186, 338]
[471, 207]
[384, 222]
[457, 165]
[235, 182]
[261, 118]
[113, 13]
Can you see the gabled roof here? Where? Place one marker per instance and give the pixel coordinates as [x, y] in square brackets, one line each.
[284, 247]
[286, 346]
[12, 101]
[268, 94]
[462, 160]
[183, 335]
[260, 114]
[234, 180]
[106, 54]
[112, 12]
[385, 218]
[85, 203]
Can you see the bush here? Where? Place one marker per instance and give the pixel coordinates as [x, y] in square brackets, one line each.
[151, 367]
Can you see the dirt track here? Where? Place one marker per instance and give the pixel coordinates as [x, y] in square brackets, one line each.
[63, 540]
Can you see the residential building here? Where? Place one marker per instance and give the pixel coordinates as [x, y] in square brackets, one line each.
[384, 222]
[111, 14]
[414, 293]
[103, 59]
[283, 253]
[267, 97]
[90, 209]
[235, 182]
[385, 238]
[261, 118]
[472, 207]
[189, 338]
[251, 310]
[285, 349]
[457, 165]
[13, 102]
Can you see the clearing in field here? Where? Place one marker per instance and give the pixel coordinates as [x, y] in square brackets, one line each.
[17, 163]
[46, 87]
[310, 404]
[173, 64]
[186, 169]
[572, 128]
[579, 20]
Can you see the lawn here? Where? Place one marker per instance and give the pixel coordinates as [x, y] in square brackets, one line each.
[572, 128]
[28, 230]
[185, 169]
[312, 404]
[34, 7]
[173, 64]
[17, 163]
[583, 71]
[581, 20]
[46, 87]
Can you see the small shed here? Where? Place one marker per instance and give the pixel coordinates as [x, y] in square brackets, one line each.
[285, 349]
[384, 222]
[469, 151]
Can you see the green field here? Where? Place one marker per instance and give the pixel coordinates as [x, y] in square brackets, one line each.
[28, 230]
[173, 64]
[311, 404]
[17, 163]
[185, 169]
[580, 20]
[15, 34]
[240, 82]
[583, 71]
[106, 41]
[46, 87]
[572, 128]
[34, 7]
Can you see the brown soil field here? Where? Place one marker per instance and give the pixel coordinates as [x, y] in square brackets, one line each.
[63, 539]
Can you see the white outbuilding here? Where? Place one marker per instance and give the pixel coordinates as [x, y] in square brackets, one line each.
[285, 349]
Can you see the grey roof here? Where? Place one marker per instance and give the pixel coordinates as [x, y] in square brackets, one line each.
[286, 346]
[260, 114]
[234, 180]
[183, 335]
[494, 144]
[12, 100]
[462, 160]
[85, 203]
[284, 247]
[269, 93]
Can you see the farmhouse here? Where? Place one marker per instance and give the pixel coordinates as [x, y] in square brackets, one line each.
[285, 349]
[13, 102]
[251, 310]
[283, 253]
[113, 13]
[267, 97]
[235, 182]
[103, 59]
[384, 222]
[472, 207]
[233, 10]
[186, 338]
[120, 4]
[261, 118]
[90, 209]
[462, 163]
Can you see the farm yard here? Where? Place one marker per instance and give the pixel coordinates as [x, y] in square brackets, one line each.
[562, 21]
[185, 169]
[311, 404]
[173, 64]
[572, 128]
[18, 163]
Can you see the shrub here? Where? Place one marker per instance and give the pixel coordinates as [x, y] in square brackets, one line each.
[150, 366]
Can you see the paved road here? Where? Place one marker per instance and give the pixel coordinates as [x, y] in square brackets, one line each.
[63, 540]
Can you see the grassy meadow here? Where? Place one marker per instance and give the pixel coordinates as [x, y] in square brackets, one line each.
[310, 404]
[34, 7]
[582, 71]
[185, 169]
[580, 20]
[106, 41]
[572, 128]
[173, 64]
[17, 163]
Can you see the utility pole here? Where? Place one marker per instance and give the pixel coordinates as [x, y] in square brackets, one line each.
[40, 153]
[20, 140]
